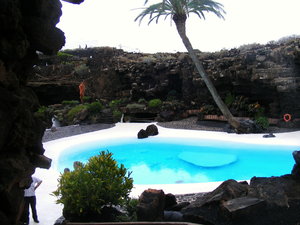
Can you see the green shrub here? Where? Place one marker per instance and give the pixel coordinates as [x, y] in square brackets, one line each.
[117, 115]
[262, 121]
[131, 211]
[74, 111]
[229, 99]
[44, 114]
[154, 103]
[115, 103]
[63, 54]
[131, 208]
[98, 183]
[86, 99]
[70, 102]
[260, 111]
[42, 111]
[95, 107]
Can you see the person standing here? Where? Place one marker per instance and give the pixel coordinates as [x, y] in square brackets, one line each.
[30, 199]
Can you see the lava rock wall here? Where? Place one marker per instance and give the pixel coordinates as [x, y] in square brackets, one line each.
[267, 74]
[26, 26]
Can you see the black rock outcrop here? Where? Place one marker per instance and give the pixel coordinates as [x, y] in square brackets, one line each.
[26, 27]
[151, 130]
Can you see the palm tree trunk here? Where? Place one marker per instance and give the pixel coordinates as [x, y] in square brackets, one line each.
[180, 25]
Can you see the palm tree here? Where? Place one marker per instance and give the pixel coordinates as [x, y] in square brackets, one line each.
[179, 11]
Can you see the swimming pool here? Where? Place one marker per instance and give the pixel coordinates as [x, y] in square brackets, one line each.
[173, 160]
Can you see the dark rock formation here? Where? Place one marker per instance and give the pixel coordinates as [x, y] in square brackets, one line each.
[263, 74]
[170, 201]
[264, 201]
[25, 28]
[142, 134]
[270, 135]
[151, 205]
[296, 168]
[151, 130]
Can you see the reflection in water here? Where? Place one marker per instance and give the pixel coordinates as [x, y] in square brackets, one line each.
[142, 173]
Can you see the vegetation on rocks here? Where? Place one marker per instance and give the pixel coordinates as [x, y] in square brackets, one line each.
[154, 103]
[95, 107]
[73, 112]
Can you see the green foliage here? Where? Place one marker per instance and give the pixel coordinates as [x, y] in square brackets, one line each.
[131, 208]
[74, 111]
[97, 183]
[44, 114]
[259, 117]
[71, 102]
[154, 103]
[131, 211]
[229, 99]
[115, 103]
[86, 99]
[260, 111]
[180, 8]
[63, 54]
[95, 107]
[262, 121]
[42, 111]
[117, 115]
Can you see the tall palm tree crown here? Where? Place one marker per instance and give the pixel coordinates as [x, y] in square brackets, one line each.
[179, 11]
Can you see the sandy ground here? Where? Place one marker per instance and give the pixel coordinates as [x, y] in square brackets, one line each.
[49, 211]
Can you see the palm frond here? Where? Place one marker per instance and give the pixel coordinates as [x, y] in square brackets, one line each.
[180, 7]
[200, 6]
[154, 11]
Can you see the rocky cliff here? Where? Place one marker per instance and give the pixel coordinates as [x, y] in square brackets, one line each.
[26, 26]
[265, 74]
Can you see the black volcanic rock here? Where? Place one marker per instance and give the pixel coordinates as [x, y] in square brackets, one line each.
[26, 27]
[263, 74]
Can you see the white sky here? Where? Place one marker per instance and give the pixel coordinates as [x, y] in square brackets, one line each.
[97, 23]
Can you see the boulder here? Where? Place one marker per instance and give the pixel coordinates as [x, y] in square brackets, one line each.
[170, 201]
[151, 205]
[142, 134]
[152, 130]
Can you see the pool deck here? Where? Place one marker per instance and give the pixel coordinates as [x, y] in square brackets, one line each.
[49, 211]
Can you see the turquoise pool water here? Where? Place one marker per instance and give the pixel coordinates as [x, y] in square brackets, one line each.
[171, 161]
